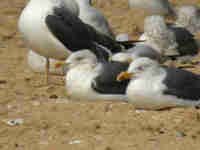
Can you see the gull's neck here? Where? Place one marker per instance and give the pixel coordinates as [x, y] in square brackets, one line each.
[152, 73]
[83, 3]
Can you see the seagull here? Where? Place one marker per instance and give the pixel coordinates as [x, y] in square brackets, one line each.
[154, 7]
[168, 40]
[139, 50]
[188, 17]
[37, 63]
[33, 27]
[155, 87]
[90, 77]
[94, 17]
[55, 31]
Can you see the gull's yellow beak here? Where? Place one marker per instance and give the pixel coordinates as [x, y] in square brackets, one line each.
[59, 64]
[129, 60]
[124, 76]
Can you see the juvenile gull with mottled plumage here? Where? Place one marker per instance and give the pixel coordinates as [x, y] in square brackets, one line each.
[168, 40]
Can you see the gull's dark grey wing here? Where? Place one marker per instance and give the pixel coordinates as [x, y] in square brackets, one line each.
[69, 30]
[183, 84]
[106, 82]
[63, 24]
[73, 40]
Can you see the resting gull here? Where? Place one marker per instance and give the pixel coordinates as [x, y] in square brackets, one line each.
[92, 78]
[156, 87]
[52, 29]
[140, 50]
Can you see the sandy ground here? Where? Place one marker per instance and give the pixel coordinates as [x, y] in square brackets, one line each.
[53, 122]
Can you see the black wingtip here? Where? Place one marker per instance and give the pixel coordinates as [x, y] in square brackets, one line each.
[130, 43]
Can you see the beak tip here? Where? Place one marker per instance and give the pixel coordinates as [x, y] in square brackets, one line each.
[124, 76]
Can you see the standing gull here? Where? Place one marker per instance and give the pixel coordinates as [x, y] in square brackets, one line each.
[94, 17]
[153, 7]
[55, 30]
[89, 78]
[156, 87]
[33, 27]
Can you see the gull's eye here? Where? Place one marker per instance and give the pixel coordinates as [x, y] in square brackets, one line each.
[79, 58]
[140, 68]
[198, 12]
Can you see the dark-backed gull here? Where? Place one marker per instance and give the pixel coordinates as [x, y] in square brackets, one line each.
[156, 87]
[89, 78]
[140, 50]
[52, 29]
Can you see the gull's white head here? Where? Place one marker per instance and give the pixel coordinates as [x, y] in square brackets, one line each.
[189, 17]
[140, 68]
[85, 2]
[121, 57]
[136, 52]
[142, 50]
[81, 57]
[159, 36]
[47, 5]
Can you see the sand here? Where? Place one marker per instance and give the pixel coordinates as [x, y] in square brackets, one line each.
[52, 121]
